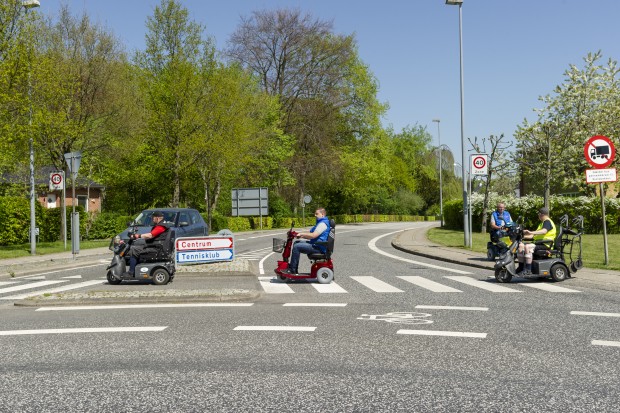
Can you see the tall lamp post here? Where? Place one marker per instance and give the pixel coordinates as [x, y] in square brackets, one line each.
[440, 167]
[31, 4]
[467, 238]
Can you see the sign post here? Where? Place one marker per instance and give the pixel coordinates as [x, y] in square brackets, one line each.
[600, 152]
[479, 166]
[57, 182]
[73, 162]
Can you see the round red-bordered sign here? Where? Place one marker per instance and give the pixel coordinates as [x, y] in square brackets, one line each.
[599, 151]
[56, 179]
[479, 162]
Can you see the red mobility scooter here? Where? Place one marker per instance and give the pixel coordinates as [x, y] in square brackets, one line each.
[322, 265]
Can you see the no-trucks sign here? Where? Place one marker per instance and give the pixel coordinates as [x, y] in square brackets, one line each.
[599, 151]
[479, 164]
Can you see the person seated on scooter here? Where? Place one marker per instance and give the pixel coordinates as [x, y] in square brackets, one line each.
[545, 232]
[143, 242]
[499, 218]
[319, 232]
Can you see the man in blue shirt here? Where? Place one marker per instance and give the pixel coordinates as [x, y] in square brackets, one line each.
[318, 232]
[499, 218]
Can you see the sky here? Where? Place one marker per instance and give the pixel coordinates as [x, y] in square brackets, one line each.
[513, 51]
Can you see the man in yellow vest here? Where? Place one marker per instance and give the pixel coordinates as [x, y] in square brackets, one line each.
[545, 232]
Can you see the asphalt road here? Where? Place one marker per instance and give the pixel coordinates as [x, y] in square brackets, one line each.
[395, 332]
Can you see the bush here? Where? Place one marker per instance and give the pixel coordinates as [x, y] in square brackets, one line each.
[107, 224]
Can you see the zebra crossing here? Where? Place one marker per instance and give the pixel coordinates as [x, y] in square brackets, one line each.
[273, 286]
[22, 288]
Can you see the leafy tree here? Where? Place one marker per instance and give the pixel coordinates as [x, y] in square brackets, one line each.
[498, 163]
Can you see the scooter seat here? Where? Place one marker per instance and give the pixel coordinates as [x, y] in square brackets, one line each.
[315, 256]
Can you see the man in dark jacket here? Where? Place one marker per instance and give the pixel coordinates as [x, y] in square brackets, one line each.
[142, 242]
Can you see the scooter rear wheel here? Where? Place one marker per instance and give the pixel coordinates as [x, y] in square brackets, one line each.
[112, 280]
[503, 276]
[559, 272]
[324, 275]
[161, 277]
[491, 254]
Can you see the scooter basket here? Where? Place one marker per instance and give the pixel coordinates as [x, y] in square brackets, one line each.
[278, 244]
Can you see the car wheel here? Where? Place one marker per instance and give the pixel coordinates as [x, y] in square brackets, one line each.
[324, 275]
[112, 280]
[559, 272]
[502, 275]
[161, 277]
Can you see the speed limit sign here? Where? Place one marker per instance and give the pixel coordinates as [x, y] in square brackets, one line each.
[479, 164]
[57, 180]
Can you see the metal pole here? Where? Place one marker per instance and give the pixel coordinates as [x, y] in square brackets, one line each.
[64, 208]
[33, 221]
[440, 180]
[467, 239]
[604, 223]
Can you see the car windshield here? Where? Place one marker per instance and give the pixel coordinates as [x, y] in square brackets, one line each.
[145, 218]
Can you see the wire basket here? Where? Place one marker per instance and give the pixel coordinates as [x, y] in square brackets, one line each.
[278, 244]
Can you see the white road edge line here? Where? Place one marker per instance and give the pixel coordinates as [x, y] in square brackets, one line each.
[273, 328]
[314, 305]
[443, 333]
[448, 307]
[595, 314]
[372, 245]
[261, 266]
[606, 343]
[126, 306]
[81, 330]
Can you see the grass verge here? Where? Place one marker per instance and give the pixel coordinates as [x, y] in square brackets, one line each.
[23, 250]
[593, 252]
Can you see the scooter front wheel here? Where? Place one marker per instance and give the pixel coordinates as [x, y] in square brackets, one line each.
[324, 275]
[502, 275]
[112, 280]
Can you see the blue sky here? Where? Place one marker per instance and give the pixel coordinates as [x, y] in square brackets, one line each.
[513, 51]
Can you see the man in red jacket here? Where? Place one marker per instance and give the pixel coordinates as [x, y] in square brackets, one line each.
[143, 241]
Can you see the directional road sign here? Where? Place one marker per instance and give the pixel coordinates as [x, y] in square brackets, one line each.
[203, 243]
[194, 257]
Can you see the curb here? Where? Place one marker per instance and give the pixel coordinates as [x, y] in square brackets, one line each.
[131, 299]
[396, 245]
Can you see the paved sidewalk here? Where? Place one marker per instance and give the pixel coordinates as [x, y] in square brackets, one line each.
[416, 242]
[23, 265]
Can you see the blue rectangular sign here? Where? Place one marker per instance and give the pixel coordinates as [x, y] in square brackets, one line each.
[195, 257]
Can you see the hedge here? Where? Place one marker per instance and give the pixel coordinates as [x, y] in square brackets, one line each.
[527, 208]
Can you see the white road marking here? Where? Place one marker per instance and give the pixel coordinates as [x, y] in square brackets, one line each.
[606, 343]
[376, 284]
[64, 270]
[261, 267]
[81, 330]
[314, 305]
[485, 285]
[449, 307]
[372, 245]
[36, 277]
[443, 333]
[54, 290]
[7, 282]
[29, 286]
[331, 288]
[274, 287]
[73, 277]
[273, 328]
[595, 314]
[550, 287]
[137, 306]
[428, 284]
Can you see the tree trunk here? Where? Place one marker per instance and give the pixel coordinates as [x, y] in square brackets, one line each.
[176, 180]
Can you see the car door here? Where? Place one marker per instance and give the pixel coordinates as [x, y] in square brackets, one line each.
[198, 224]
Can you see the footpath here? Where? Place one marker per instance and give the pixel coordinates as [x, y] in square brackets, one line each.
[232, 281]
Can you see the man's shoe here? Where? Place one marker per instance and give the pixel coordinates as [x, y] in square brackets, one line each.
[524, 273]
[289, 272]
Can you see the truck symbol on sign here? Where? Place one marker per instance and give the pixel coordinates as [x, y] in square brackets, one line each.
[601, 152]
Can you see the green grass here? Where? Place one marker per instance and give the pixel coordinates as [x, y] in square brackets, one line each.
[593, 251]
[23, 250]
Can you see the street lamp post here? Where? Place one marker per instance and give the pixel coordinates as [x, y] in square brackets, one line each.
[440, 167]
[467, 238]
[30, 4]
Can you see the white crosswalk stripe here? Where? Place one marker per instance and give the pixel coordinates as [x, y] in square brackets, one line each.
[54, 290]
[376, 285]
[28, 286]
[429, 284]
[485, 285]
[273, 286]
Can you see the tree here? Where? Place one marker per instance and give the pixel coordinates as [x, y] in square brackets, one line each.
[497, 164]
[550, 150]
[174, 76]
